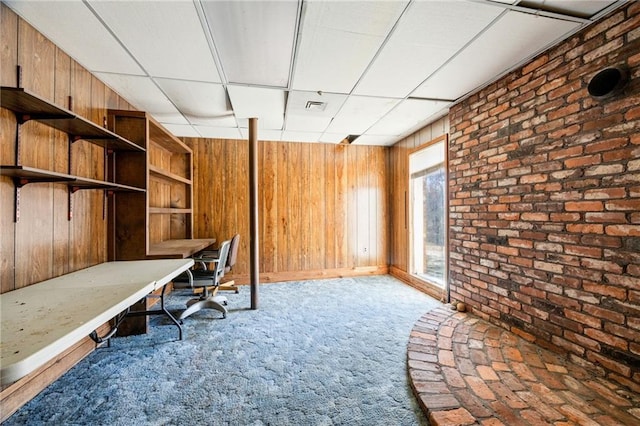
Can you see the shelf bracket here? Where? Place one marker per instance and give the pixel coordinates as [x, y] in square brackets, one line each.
[70, 203]
[16, 205]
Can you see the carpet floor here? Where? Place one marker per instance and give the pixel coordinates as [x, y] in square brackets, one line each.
[322, 352]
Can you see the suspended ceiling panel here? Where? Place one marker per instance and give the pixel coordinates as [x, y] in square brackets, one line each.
[311, 111]
[512, 39]
[338, 41]
[375, 140]
[75, 28]
[265, 104]
[359, 113]
[255, 39]
[182, 130]
[332, 137]
[263, 134]
[582, 8]
[219, 133]
[176, 59]
[145, 96]
[293, 136]
[409, 116]
[201, 103]
[420, 44]
[165, 37]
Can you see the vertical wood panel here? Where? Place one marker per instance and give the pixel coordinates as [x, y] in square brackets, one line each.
[294, 208]
[241, 200]
[306, 205]
[283, 207]
[9, 60]
[34, 231]
[330, 210]
[269, 209]
[320, 204]
[341, 217]
[61, 164]
[81, 254]
[317, 219]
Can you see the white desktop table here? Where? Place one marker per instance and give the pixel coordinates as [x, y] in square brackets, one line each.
[40, 321]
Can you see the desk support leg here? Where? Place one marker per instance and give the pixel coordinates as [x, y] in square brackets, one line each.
[171, 317]
[162, 310]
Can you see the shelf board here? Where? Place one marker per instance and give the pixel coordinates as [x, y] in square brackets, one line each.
[28, 106]
[179, 248]
[163, 138]
[161, 173]
[23, 175]
[168, 210]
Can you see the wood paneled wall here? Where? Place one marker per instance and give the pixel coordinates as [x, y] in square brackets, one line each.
[323, 208]
[44, 243]
[399, 199]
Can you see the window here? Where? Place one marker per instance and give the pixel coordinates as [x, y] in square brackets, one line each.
[428, 210]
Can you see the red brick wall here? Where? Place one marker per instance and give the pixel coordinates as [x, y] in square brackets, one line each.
[545, 201]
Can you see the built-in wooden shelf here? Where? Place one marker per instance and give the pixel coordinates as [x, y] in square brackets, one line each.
[164, 174]
[179, 248]
[29, 106]
[158, 223]
[168, 210]
[23, 175]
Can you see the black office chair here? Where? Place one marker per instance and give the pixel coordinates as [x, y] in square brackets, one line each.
[231, 261]
[208, 280]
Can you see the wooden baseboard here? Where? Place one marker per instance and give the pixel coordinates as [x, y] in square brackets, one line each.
[16, 394]
[423, 286]
[272, 277]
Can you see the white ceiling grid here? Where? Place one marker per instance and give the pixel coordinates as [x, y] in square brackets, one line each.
[381, 69]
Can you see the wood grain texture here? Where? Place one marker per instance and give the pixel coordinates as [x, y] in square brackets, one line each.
[320, 206]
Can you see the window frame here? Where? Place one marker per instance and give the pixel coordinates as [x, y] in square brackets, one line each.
[444, 289]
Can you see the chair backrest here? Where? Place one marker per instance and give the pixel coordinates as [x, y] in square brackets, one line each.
[223, 254]
[233, 252]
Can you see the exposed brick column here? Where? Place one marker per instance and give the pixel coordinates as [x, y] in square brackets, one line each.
[545, 201]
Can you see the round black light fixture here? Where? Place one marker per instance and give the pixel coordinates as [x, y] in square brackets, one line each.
[608, 83]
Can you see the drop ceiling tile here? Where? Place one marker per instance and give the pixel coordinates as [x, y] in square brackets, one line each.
[407, 117]
[68, 25]
[338, 40]
[297, 102]
[427, 35]
[379, 140]
[201, 103]
[254, 39]
[265, 104]
[166, 37]
[181, 130]
[512, 39]
[315, 118]
[263, 135]
[332, 137]
[359, 113]
[307, 123]
[580, 8]
[290, 136]
[218, 132]
[171, 118]
[141, 92]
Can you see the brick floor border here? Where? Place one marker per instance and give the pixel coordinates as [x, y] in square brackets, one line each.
[465, 371]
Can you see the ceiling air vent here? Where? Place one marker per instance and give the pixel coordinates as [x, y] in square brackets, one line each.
[315, 106]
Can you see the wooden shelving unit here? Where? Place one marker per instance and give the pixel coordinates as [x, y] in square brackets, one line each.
[159, 222]
[28, 106]
[23, 175]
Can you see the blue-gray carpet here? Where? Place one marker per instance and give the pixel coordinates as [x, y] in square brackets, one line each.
[323, 352]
